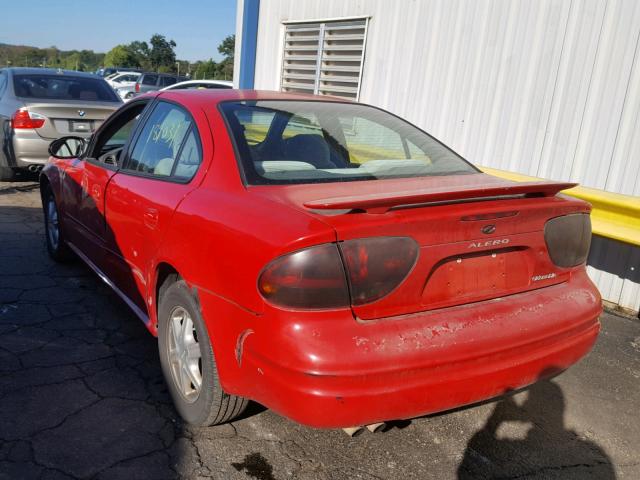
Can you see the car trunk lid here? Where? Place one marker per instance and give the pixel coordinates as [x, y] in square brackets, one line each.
[480, 237]
[70, 118]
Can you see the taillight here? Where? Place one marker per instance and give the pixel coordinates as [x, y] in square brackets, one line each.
[377, 265]
[353, 272]
[310, 278]
[137, 88]
[568, 239]
[23, 118]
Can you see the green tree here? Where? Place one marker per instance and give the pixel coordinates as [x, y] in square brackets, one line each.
[224, 69]
[21, 55]
[162, 56]
[227, 47]
[140, 50]
[120, 56]
[205, 70]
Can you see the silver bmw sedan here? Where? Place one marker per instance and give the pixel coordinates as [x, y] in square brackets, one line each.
[38, 105]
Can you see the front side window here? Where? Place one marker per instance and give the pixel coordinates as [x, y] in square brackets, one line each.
[114, 136]
[306, 142]
[161, 140]
[63, 87]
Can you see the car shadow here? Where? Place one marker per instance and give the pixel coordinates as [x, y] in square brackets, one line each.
[530, 440]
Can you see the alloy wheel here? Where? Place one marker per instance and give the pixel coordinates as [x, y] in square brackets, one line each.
[53, 227]
[184, 354]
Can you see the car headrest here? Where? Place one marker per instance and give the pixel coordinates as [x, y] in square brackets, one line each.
[309, 148]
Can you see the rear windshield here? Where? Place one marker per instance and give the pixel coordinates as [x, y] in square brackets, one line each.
[307, 142]
[63, 87]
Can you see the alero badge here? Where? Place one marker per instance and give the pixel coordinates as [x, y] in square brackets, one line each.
[489, 243]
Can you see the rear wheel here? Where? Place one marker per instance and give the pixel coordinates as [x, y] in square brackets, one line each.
[188, 363]
[56, 245]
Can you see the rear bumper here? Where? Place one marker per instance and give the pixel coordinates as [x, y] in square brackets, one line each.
[29, 148]
[337, 372]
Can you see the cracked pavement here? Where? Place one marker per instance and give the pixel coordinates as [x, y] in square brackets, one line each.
[82, 396]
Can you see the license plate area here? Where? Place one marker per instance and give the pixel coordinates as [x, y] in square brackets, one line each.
[473, 277]
[80, 126]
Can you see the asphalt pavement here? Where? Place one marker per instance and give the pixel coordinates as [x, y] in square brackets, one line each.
[82, 396]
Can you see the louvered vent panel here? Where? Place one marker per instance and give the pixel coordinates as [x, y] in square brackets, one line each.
[341, 61]
[300, 62]
[324, 58]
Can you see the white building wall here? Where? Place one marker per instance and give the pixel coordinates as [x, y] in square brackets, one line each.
[548, 87]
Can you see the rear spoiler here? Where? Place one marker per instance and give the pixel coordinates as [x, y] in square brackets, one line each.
[382, 202]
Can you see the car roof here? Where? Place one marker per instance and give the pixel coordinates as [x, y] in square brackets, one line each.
[199, 82]
[213, 82]
[162, 74]
[215, 96]
[48, 71]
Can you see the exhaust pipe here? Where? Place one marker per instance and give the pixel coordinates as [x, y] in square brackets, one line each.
[376, 427]
[34, 168]
[353, 431]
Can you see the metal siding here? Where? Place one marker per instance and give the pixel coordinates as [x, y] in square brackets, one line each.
[547, 88]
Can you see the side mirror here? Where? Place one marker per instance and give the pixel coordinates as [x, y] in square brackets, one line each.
[68, 147]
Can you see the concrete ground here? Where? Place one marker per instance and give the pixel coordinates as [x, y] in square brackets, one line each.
[82, 396]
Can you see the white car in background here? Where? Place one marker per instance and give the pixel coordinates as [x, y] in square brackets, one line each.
[122, 79]
[126, 92]
[199, 84]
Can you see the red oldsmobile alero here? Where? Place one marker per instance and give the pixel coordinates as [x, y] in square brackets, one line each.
[322, 257]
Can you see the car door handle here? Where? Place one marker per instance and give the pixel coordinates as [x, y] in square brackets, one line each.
[151, 217]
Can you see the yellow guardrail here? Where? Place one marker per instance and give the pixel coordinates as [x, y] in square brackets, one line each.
[613, 216]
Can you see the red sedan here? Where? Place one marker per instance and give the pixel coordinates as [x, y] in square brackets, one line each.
[322, 257]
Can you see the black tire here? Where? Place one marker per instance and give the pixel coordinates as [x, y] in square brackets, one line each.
[211, 405]
[56, 246]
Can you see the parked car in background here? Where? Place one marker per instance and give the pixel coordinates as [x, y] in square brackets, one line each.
[150, 82]
[39, 105]
[199, 85]
[327, 259]
[105, 72]
[123, 79]
[126, 92]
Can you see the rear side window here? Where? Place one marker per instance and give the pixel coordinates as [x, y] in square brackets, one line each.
[63, 87]
[149, 79]
[166, 81]
[125, 78]
[161, 141]
[190, 157]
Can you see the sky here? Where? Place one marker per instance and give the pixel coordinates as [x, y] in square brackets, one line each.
[197, 27]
